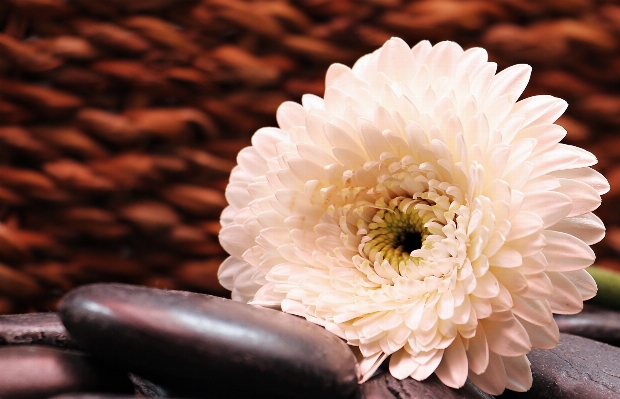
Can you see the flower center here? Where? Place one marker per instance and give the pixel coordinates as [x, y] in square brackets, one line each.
[409, 240]
[395, 234]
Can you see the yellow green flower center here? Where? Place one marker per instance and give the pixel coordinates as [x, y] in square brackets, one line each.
[395, 234]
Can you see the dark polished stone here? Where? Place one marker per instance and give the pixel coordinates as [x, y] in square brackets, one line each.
[594, 322]
[197, 345]
[384, 386]
[34, 328]
[98, 396]
[32, 372]
[92, 396]
[578, 368]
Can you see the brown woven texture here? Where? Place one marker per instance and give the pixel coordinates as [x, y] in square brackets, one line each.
[120, 120]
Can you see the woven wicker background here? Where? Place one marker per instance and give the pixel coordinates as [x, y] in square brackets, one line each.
[120, 120]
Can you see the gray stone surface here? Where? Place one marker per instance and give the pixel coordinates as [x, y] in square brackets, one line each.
[33, 372]
[578, 368]
[594, 322]
[34, 328]
[147, 389]
[384, 386]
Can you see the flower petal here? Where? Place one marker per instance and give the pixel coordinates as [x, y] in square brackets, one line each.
[487, 286]
[493, 379]
[251, 162]
[402, 364]
[506, 257]
[535, 311]
[369, 365]
[290, 114]
[584, 283]
[540, 109]
[395, 60]
[518, 373]
[586, 175]
[587, 227]
[539, 286]
[264, 141]
[452, 370]
[235, 240]
[426, 369]
[566, 298]
[227, 271]
[511, 80]
[542, 337]
[551, 206]
[556, 158]
[565, 252]
[524, 224]
[506, 337]
[585, 198]
[478, 351]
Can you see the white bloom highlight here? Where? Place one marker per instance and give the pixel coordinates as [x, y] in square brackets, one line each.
[419, 211]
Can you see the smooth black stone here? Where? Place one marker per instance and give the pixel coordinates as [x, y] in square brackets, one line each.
[32, 372]
[34, 328]
[92, 396]
[594, 322]
[384, 386]
[578, 368]
[197, 345]
[148, 389]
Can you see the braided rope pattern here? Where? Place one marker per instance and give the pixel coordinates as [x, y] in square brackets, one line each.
[120, 120]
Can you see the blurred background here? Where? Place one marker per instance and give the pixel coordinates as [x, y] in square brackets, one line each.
[120, 120]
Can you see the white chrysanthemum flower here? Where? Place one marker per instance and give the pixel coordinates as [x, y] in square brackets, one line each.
[419, 211]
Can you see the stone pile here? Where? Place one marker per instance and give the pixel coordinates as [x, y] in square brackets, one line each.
[117, 341]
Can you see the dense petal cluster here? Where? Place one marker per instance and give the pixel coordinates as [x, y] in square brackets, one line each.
[419, 210]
